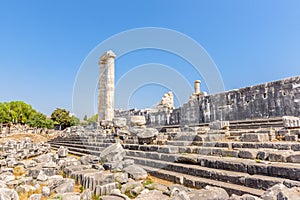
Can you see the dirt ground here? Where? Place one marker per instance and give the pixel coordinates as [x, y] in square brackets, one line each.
[35, 138]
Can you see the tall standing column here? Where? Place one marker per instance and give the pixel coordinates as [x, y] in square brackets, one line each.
[110, 86]
[101, 89]
[197, 87]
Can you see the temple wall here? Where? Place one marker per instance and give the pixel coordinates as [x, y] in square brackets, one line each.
[273, 99]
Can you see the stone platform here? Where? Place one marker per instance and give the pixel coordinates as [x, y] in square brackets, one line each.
[241, 160]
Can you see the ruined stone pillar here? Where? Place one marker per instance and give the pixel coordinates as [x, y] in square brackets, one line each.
[106, 87]
[197, 87]
[110, 86]
[101, 89]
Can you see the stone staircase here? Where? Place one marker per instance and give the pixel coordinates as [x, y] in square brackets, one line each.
[256, 123]
[195, 161]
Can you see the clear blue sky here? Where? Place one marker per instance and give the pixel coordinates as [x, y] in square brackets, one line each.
[43, 43]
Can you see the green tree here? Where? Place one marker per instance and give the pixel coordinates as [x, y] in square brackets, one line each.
[93, 119]
[74, 121]
[39, 120]
[61, 117]
[4, 113]
[15, 112]
[85, 118]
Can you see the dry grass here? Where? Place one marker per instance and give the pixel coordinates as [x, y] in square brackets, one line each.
[78, 188]
[35, 138]
[19, 171]
[74, 156]
[25, 195]
[158, 180]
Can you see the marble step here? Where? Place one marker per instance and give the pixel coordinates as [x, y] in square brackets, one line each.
[273, 169]
[261, 154]
[295, 146]
[239, 178]
[198, 182]
[81, 150]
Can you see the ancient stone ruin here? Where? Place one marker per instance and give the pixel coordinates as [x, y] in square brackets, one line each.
[106, 87]
[236, 145]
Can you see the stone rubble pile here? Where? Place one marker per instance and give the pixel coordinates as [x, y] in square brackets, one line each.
[108, 176]
[13, 151]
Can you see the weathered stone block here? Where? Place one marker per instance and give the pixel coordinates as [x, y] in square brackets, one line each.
[219, 125]
[101, 190]
[62, 152]
[135, 172]
[8, 194]
[147, 136]
[248, 153]
[114, 152]
[63, 185]
[278, 156]
[210, 193]
[255, 137]
[293, 138]
[119, 122]
[294, 158]
[137, 120]
[291, 122]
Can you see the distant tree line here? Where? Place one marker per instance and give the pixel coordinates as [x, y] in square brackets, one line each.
[19, 112]
[91, 120]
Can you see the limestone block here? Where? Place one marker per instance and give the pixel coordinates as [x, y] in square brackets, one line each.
[244, 197]
[101, 190]
[86, 195]
[209, 193]
[154, 194]
[167, 102]
[280, 191]
[114, 152]
[147, 136]
[135, 172]
[43, 158]
[89, 159]
[46, 191]
[255, 137]
[62, 152]
[248, 153]
[25, 188]
[35, 197]
[63, 185]
[294, 158]
[291, 122]
[137, 120]
[136, 130]
[219, 125]
[42, 176]
[214, 137]
[121, 177]
[128, 162]
[69, 196]
[277, 156]
[119, 122]
[289, 137]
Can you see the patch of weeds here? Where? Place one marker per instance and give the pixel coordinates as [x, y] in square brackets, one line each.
[128, 193]
[96, 197]
[62, 173]
[57, 197]
[147, 182]
[81, 188]
[257, 160]
[119, 186]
